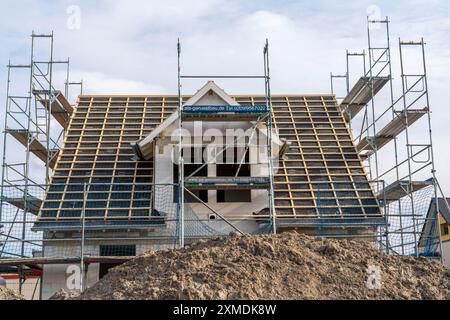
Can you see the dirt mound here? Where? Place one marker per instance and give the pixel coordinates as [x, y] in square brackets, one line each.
[64, 295]
[285, 266]
[7, 294]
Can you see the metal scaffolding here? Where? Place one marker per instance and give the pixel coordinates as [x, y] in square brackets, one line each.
[185, 183]
[30, 114]
[410, 180]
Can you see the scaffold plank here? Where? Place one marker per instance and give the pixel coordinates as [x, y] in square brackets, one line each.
[361, 93]
[60, 108]
[400, 189]
[390, 131]
[31, 203]
[36, 146]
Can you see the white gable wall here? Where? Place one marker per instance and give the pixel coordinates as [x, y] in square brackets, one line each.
[213, 99]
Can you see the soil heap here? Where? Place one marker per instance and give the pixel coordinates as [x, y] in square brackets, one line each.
[283, 266]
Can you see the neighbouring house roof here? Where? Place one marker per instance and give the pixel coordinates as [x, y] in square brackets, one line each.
[208, 89]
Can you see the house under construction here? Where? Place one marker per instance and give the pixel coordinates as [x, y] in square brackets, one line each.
[127, 174]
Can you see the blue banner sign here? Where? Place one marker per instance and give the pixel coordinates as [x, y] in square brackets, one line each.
[246, 109]
[228, 180]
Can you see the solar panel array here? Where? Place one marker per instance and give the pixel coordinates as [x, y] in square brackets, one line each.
[322, 174]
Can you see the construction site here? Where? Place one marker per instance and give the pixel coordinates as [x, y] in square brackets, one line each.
[214, 195]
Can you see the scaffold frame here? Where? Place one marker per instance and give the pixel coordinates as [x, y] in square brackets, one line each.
[266, 118]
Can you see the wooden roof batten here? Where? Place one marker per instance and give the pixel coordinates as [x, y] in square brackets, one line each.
[360, 95]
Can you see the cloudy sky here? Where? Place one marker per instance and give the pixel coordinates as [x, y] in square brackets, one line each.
[130, 46]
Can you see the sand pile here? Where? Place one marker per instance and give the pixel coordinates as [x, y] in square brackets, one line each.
[7, 294]
[285, 266]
